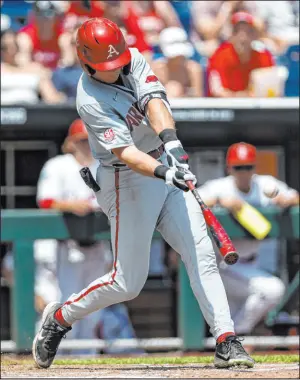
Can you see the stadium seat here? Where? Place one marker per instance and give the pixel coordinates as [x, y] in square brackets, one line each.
[291, 60]
[17, 10]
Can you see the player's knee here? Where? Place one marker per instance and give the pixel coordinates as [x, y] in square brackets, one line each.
[130, 293]
[272, 290]
[129, 290]
[276, 290]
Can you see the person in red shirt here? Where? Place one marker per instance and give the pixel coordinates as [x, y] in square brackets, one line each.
[153, 17]
[79, 11]
[230, 66]
[39, 40]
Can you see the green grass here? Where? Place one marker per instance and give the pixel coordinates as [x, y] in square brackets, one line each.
[172, 360]
[152, 360]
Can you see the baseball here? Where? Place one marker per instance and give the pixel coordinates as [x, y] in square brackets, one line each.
[270, 190]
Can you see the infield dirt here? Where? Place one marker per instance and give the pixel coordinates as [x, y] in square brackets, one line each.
[197, 371]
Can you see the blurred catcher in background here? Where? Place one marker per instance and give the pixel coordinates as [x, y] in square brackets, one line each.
[251, 291]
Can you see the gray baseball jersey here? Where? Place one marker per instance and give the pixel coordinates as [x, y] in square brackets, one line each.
[113, 114]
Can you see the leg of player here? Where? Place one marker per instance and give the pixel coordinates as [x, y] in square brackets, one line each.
[182, 225]
[133, 213]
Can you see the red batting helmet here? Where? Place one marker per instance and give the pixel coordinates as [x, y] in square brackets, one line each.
[101, 46]
[241, 154]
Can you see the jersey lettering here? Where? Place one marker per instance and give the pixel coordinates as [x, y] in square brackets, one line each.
[133, 117]
[111, 51]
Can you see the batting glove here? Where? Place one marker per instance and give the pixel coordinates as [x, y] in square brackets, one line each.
[175, 177]
[176, 155]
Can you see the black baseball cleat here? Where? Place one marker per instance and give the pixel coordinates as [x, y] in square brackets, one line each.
[231, 353]
[47, 340]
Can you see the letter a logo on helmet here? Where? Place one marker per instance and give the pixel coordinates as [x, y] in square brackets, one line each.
[111, 51]
[101, 46]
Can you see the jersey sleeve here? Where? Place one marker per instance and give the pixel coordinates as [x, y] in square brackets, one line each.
[105, 126]
[49, 185]
[146, 81]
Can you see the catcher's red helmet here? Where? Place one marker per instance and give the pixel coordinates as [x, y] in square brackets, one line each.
[241, 154]
[101, 45]
[77, 130]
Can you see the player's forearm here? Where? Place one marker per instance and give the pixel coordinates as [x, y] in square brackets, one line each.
[137, 160]
[294, 200]
[64, 206]
[159, 116]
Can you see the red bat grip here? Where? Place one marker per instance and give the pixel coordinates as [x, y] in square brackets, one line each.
[190, 185]
[220, 236]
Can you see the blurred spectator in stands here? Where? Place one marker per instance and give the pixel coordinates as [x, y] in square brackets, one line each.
[251, 291]
[184, 10]
[5, 20]
[211, 20]
[65, 78]
[39, 41]
[23, 83]
[179, 74]
[60, 187]
[281, 20]
[118, 12]
[230, 66]
[16, 11]
[79, 11]
[153, 17]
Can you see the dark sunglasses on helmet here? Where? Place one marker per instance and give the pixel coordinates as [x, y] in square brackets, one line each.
[239, 168]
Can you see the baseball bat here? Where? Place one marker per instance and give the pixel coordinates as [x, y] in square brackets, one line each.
[218, 233]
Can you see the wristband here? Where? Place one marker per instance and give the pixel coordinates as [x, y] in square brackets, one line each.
[168, 135]
[160, 171]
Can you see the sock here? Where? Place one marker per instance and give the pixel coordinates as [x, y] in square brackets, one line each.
[223, 337]
[59, 317]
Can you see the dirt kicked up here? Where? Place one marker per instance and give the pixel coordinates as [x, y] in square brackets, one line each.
[136, 369]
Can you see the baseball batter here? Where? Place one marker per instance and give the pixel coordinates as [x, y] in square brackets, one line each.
[142, 188]
[251, 291]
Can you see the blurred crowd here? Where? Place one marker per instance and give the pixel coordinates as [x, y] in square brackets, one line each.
[196, 48]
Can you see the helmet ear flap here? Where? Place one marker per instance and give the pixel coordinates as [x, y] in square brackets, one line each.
[90, 70]
[126, 69]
